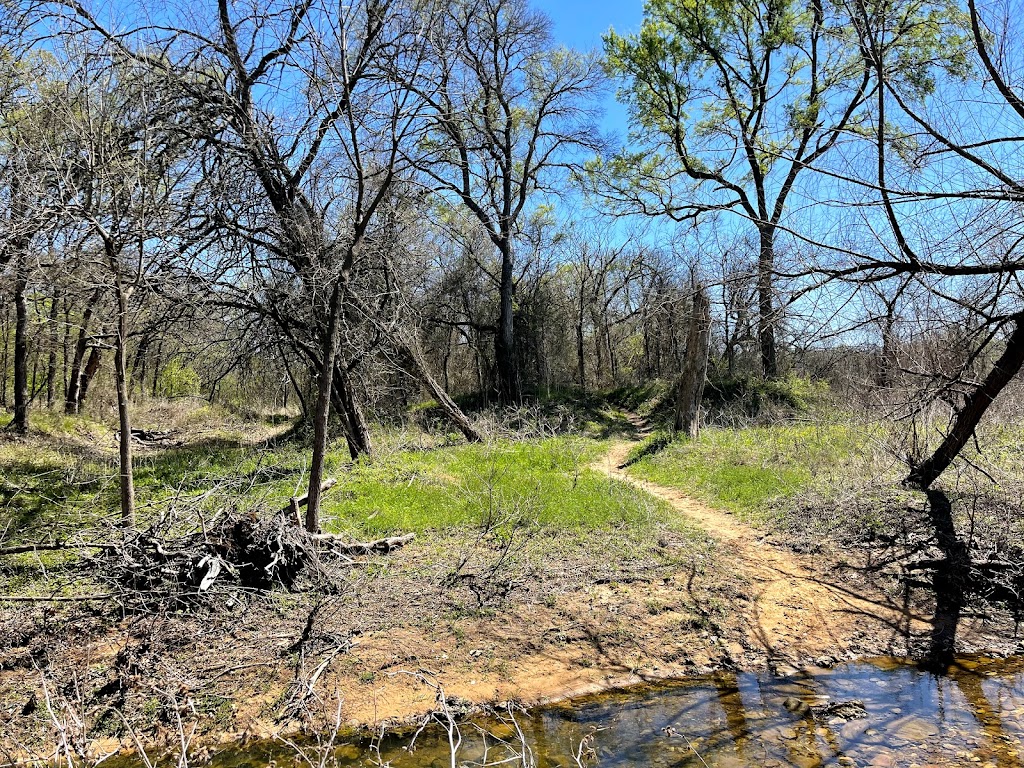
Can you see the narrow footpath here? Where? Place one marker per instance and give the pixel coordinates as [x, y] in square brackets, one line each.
[795, 611]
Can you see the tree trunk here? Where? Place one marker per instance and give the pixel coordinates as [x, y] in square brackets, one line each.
[950, 581]
[613, 363]
[581, 352]
[447, 358]
[65, 373]
[73, 397]
[19, 423]
[509, 382]
[690, 389]
[358, 431]
[481, 380]
[51, 361]
[158, 362]
[138, 375]
[322, 410]
[766, 308]
[966, 420]
[452, 411]
[127, 473]
[294, 382]
[92, 366]
[887, 361]
[33, 379]
[5, 354]
[338, 397]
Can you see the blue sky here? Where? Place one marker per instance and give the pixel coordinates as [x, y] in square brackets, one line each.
[580, 24]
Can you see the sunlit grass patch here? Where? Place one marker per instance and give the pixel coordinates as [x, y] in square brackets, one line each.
[747, 470]
[546, 483]
[408, 485]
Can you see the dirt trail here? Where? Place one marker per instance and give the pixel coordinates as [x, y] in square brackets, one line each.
[796, 610]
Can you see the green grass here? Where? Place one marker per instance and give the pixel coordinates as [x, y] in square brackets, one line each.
[64, 475]
[653, 399]
[729, 400]
[546, 483]
[749, 471]
[53, 485]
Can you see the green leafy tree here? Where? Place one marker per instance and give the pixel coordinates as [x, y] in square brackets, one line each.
[733, 99]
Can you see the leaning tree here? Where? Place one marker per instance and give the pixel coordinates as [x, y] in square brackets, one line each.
[947, 189]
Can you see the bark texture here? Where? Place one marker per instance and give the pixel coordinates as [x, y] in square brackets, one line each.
[690, 389]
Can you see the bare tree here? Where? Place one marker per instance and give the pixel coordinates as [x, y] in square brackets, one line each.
[505, 110]
[322, 165]
[120, 172]
[970, 260]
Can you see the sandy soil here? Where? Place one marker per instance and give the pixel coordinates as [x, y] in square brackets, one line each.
[798, 607]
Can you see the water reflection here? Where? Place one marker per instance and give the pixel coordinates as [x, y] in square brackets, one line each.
[974, 715]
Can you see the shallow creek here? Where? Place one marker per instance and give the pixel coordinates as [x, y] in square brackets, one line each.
[880, 713]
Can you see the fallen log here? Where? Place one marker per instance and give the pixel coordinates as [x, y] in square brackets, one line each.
[340, 545]
[21, 549]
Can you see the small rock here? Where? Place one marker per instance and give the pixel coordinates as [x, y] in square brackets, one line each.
[843, 711]
[796, 706]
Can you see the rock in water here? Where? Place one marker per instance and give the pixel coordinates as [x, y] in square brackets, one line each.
[796, 706]
[843, 711]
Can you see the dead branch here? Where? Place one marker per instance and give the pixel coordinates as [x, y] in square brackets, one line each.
[24, 548]
[300, 501]
[339, 545]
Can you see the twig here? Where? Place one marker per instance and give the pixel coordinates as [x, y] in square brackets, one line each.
[23, 548]
[54, 599]
[301, 501]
